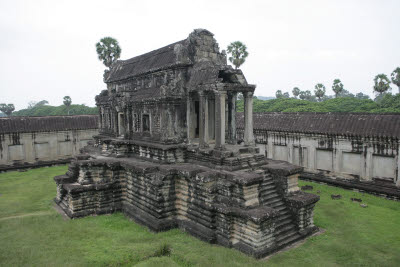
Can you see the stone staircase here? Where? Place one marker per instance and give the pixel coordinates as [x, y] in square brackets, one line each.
[286, 230]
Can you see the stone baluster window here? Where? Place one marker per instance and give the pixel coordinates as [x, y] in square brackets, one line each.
[136, 120]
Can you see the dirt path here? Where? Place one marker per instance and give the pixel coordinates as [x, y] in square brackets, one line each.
[39, 213]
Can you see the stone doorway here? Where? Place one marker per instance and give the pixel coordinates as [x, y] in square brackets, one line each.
[121, 124]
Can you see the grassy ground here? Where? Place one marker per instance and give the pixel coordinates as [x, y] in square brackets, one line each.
[32, 233]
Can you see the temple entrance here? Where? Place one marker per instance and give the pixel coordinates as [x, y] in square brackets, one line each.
[195, 113]
[121, 124]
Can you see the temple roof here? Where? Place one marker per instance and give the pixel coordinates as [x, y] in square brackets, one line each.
[157, 59]
[345, 124]
[47, 124]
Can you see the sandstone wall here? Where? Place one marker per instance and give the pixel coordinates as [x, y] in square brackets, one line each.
[40, 147]
[38, 141]
[358, 159]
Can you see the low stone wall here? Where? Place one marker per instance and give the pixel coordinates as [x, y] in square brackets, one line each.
[352, 148]
[40, 141]
[334, 157]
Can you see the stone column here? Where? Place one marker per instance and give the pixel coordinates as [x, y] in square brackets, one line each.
[109, 118]
[101, 121]
[248, 119]
[220, 119]
[127, 120]
[115, 123]
[188, 121]
[203, 127]
[232, 118]
[369, 165]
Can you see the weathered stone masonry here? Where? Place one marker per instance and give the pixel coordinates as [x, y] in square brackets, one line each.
[257, 212]
[167, 154]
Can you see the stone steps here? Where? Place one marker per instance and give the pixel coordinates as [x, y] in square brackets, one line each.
[285, 231]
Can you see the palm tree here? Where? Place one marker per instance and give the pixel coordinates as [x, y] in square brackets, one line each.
[296, 92]
[238, 52]
[108, 50]
[337, 87]
[67, 102]
[319, 91]
[382, 83]
[7, 108]
[396, 77]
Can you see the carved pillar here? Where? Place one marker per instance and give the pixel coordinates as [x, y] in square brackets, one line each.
[248, 119]
[101, 121]
[220, 119]
[203, 127]
[115, 122]
[232, 118]
[127, 120]
[130, 119]
[188, 120]
[108, 118]
[111, 121]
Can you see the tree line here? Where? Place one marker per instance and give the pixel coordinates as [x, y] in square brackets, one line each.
[42, 108]
[381, 86]
[388, 103]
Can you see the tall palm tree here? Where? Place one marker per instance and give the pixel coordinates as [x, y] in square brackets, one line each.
[319, 91]
[382, 83]
[396, 77]
[296, 92]
[337, 87]
[238, 52]
[67, 102]
[108, 50]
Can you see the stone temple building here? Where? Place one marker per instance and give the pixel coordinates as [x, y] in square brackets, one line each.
[167, 154]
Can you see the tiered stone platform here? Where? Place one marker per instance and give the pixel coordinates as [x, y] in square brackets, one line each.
[243, 200]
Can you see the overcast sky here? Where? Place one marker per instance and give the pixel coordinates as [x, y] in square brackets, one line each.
[47, 48]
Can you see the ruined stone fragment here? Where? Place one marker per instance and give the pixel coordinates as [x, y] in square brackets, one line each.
[307, 187]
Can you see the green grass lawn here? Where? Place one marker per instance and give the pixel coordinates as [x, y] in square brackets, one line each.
[354, 235]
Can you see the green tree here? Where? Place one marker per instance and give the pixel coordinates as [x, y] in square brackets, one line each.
[381, 84]
[108, 50]
[319, 91]
[238, 52]
[280, 94]
[361, 95]
[33, 104]
[396, 77]
[346, 93]
[305, 95]
[337, 87]
[47, 110]
[67, 102]
[7, 109]
[296, 92]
